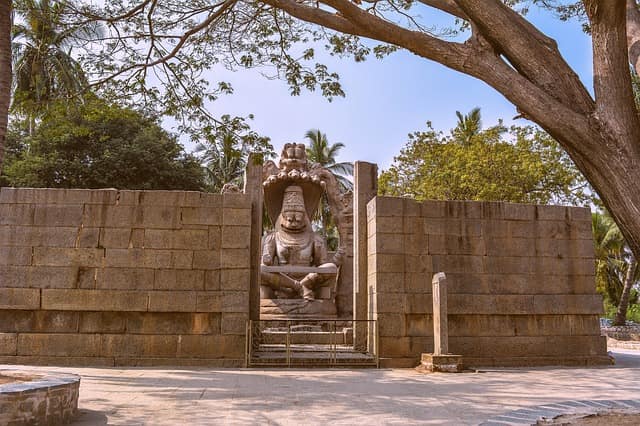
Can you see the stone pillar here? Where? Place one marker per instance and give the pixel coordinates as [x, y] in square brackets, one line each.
[440, 328]
[440, 360]
[365, 176]
[253, 187]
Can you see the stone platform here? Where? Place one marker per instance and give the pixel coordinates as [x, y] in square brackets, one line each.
[283, 309]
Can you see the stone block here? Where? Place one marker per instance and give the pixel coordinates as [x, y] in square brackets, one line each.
[162, 198]
[493, 210]
[54, 256]
[94, 300]
[418, 264]
[391, 303]
[189, 239]
[464, 227]
[433, 209]
[209, 301]
[235, 301]
[58, 277]
[458, 263]
[125, 279]
[201, 215]
[508, 265]
[19, 298]
[499, 283]
[386, 263]
[524, 212]
[517, 247]
[234, 279]
[551, 212]
[419, 303]
[581, 230]
[584, 304]
[162, 217]
[387, 243]
[492, 228]
[58, 344]
[472, 283]
[8, 343]
[88, 238]
[126, 258]
[17, 214]
[432, 363]
[206, 259]
[416, 243]
[580, 248]
[457, 244]
[234, 258]
[179, 279]
[182, 259]
[416, 282]
[128, 197]
[103, 322]
[40, 236]
[139, 345]
[12, 276]
[388, 225]
[57, 196]
[579, 214]
[116, 216]
[173, 323]
[462, 209]
[553, 229]
[484, 324]
[15, 256]
[556, 325]
[388, 282]
[386, 206]
[394, 347]
[236, 217]
[411, 207]
[524, 229]
[527, 346]
[569, 266]
[238, 201]
[172, 301]
[234, 323]
[212, 279]
[222, 346]
[58, 215]
[412, 224]
[215, 238]
[419, 325]
[236, 237]
[122, 238]
[391, 324]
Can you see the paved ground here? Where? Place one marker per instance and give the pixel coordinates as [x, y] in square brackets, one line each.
[199, 396]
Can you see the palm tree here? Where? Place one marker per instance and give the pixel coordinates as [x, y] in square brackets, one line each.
[616, 267]
[468, 126]
[320, 152]
[224, 161]
[5, 71]
[44, 69]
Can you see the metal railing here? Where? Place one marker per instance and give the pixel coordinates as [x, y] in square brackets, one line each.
[312, 343]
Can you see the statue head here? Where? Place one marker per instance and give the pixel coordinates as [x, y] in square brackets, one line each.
[294, 214]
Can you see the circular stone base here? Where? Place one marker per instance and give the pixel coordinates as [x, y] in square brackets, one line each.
[30, 397]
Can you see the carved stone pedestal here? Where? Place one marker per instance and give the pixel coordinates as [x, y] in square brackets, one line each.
[271, 309]
[448, 363]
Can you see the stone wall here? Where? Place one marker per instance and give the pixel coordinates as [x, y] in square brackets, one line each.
[520, 277]
[107, 277]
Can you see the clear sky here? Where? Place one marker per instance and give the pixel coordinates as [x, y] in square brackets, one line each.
[385, 99]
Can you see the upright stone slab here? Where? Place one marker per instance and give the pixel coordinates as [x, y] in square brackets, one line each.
[365, 176]
[440, 360]
[253, 188]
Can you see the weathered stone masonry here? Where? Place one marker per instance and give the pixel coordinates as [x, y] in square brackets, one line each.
[107, 277]
[520, 277]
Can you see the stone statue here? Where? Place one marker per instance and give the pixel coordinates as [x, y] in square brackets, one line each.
[295, 244]
[298, 278]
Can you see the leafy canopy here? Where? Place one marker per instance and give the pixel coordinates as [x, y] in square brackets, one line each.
[516, 164]
[99, 145]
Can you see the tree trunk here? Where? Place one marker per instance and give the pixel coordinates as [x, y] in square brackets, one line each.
[5, 72]
[621, 314]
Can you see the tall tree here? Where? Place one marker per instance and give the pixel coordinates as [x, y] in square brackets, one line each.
[224, 151]
[520, 164]
[44, 68]
[5, 72]
[319, 151]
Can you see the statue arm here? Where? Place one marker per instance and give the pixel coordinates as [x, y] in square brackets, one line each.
[320, 254]
[268, 249]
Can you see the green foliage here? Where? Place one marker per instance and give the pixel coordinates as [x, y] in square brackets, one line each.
[44, 69]
[517, 164]
[613, 258]
[321, 152]
[98, 145]
[225, 149]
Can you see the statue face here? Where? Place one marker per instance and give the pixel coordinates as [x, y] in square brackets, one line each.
[293, 220]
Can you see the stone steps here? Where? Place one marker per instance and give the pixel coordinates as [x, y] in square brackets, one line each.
[315, 337]
[310, 356]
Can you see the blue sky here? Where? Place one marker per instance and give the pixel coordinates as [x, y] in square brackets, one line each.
[385, 99]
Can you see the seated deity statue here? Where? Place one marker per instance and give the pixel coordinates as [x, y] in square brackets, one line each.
[304, 270]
